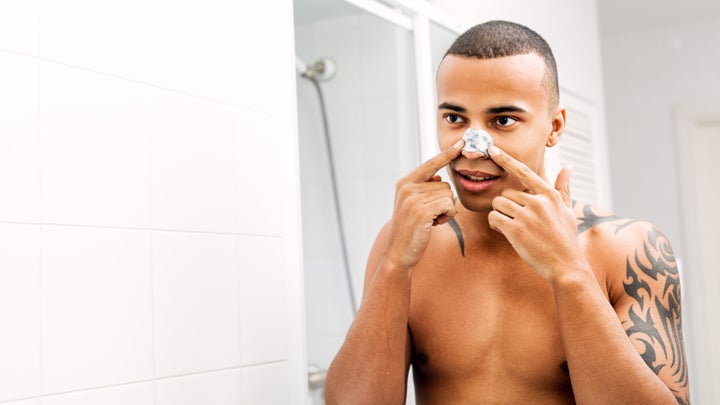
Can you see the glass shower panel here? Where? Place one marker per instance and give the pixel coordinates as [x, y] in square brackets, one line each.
[440, 40]
[371, 114]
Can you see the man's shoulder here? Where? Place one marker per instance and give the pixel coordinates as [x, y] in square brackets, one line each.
[613, 237]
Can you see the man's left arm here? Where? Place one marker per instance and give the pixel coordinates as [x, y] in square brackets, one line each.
[606, 365]
[649, 306]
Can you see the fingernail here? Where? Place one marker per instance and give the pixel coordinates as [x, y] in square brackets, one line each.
[493, 150]
[458, 144]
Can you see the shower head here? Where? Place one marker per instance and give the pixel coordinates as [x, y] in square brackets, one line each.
[322, 70]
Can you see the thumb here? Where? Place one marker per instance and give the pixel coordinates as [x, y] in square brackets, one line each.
[562, 184]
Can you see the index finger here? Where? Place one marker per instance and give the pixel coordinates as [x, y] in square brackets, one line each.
[427, 170]
[527, 176]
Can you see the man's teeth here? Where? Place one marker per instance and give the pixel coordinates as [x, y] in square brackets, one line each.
[473, 178]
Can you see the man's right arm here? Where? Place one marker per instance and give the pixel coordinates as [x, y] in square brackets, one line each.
[372, 364]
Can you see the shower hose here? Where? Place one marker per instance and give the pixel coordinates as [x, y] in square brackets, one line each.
[335, 193]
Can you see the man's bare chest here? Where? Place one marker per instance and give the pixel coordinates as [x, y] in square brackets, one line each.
[469, 322]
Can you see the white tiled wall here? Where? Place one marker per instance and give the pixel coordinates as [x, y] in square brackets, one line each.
[149, 204]
[371, 113]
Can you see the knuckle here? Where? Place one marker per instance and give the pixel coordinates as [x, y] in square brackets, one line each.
[401, 183]
[403, 188]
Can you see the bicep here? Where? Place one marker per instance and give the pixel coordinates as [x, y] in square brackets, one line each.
[650, 309]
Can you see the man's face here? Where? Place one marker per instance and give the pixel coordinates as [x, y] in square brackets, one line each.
[506, 97]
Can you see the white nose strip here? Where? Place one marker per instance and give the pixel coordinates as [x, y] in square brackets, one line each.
[477, 143]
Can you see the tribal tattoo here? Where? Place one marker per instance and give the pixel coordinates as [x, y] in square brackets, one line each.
[653, 282]
[590, 219]
[458, 232]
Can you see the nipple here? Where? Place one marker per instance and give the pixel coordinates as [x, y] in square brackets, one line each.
[477, 143]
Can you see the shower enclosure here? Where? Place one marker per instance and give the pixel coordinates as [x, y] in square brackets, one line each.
[376, 105]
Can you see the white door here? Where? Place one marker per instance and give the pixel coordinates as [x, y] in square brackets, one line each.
[699, 144]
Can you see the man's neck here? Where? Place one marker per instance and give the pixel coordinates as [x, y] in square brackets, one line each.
[476, 229]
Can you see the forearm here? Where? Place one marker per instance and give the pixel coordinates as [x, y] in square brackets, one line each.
[604, 365]
[371, 366]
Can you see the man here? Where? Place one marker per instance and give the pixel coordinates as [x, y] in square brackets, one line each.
[514, 293]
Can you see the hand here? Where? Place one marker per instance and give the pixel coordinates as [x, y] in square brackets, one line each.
[421, 201]
[539, 222]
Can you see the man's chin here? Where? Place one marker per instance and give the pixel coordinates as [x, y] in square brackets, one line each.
[475, 203]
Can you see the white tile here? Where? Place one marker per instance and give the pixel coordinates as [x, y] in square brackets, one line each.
[94, 149]
[197, 317]
[380, 142]
[262, 57]
[107, 36]
[267, 384]
[193, 152]
[328, 309]
[406, 130]
[262, 173]
[19, 26]
[131, 394]
[218, 388]
[338, 39]
[314, 166]
[19, 147]
[96, 307]
[353, 214]
[189, 45]
[19, 311]
[319, 230]
[323, 347]
[346, 137]
[379, 199]
[263, 300]
[24, 402]
[386, 59]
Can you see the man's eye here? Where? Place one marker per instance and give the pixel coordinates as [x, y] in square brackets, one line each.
[505, 121]
[453, 118]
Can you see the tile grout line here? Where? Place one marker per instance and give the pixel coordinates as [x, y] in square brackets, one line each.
[146, 229]
[153, 297]
[41, 232]
[148, 381]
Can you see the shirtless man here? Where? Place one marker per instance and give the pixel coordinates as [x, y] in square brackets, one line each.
[514, 293]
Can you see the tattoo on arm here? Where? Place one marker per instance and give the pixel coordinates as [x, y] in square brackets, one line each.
[458, 232]
[654, 318]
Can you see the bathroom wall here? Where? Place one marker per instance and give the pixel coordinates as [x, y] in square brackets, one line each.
[650, 71]
[149, 212]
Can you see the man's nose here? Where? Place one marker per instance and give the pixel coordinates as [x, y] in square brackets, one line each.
[477, 143]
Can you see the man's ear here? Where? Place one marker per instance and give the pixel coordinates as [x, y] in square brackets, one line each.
[557, 127]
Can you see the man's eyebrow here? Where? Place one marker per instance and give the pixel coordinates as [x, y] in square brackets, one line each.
[492, 110]
[453, 107]
[505, 109]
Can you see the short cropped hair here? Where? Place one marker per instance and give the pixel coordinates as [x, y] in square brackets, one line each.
[495, 39]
